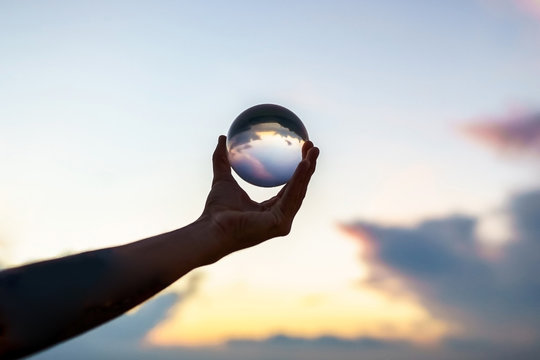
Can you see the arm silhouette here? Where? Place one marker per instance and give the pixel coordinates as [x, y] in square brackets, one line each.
[44, 303]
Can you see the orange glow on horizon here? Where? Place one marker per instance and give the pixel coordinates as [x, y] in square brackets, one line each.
[346, 312]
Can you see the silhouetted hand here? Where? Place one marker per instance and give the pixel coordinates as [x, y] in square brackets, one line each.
[242, 222]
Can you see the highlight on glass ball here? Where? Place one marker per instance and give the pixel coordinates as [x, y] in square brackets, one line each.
[265, 144]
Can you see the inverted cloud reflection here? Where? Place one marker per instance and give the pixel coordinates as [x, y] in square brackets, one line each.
[265, 154]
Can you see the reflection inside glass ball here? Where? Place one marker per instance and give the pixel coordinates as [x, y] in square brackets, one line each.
[265, 144]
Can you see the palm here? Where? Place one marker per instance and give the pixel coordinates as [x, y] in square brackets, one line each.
[244, 222]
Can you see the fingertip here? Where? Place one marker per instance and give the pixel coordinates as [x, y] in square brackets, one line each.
[305, 148]
[312, 155]
[220, 159]
[221, 146]
[222, 139]
[314, 152]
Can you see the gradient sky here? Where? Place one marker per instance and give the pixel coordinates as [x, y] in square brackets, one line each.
[110, 111]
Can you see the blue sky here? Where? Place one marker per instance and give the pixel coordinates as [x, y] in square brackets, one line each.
[110, 111]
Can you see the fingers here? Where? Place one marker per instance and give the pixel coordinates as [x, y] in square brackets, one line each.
[294, 193]
[270, 202]
[305, 148]
[220, 161]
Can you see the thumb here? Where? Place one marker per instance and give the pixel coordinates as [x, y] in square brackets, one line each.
[220, 161]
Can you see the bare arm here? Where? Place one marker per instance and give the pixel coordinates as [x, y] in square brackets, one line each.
[44, 303]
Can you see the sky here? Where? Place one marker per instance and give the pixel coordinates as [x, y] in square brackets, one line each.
[418, 237]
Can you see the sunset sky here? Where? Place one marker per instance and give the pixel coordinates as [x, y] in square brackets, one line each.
[419, 232]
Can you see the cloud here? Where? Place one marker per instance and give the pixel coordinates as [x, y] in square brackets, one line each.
[124, 335]
[117, 338]
[124, 339]
[266, 117]
[516, 133]
[328, 342]
[251, 168]
[253, 132]
[531, 7]
[442, 262]
[330, 347]
[242, 138]
[297, 348]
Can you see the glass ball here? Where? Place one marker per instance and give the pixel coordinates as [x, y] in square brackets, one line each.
[265, 144]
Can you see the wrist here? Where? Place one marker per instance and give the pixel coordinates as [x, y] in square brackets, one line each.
[209, 239]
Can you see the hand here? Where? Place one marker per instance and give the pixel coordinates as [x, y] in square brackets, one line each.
[241, 222]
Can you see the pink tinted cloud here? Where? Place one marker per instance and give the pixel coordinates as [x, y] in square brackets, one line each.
[531, 7]
[517, 133]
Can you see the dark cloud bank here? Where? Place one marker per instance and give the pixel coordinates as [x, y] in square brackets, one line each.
[496, 302]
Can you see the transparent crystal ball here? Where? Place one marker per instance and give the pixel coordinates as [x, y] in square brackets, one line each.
[265, 144]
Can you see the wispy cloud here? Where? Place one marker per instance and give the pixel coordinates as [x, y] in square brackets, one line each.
[515, 133]
[531, 7]
[125, 336]
[441, 262]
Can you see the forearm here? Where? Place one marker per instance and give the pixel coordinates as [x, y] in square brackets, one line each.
[44, 303]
